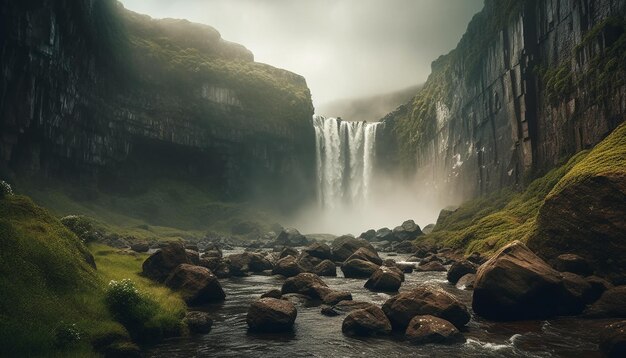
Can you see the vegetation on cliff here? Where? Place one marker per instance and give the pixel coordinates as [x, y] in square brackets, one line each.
[44, 265]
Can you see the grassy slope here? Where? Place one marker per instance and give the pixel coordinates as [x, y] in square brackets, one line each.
[487, 224]
[46, 282]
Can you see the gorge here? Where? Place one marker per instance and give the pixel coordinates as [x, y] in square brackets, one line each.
[164, 193]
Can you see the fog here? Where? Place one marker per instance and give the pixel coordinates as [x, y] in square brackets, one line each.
[344, 48]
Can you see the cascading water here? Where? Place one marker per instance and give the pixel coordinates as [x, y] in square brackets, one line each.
[345, 160]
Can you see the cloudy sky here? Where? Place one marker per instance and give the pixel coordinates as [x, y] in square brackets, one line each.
[344, 48]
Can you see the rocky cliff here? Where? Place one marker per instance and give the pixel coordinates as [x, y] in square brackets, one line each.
[530, 84]
[95, 93]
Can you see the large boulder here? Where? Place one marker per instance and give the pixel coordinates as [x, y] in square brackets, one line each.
[288, 251]
[325, 268]
[358, 268]
[344, 246]
[366, 322]
[384, 234]
[291, 237]
[304, 284]
[198, 322]
[572, 263]
[431, 329]
[159, 265]
[197, 284]
[288, 267]
[308, 262]
[517, 284]
[271, 315]
[612, 304]
[425, 300]
[319, 250]
[460, 269]
[240, 264]
[367, 255]
[613, 340]
[385, 279]
[412, 229]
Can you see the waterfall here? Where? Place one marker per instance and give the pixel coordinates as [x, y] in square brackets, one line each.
[345, 160]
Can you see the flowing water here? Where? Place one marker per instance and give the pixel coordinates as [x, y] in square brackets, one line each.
[316, 335]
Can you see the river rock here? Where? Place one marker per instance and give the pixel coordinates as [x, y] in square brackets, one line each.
[159, 265]
[346, 306]
[358, 268]
[344, 246]
[304, 284]
[572, 263]
[598, 286]
[425, 300]
[240, 264]
[288, 267]
[431, 329]
[319, 250]
[384, 234]
[193, 255]
[271, 315]
[325, 268]
[275, 293]
[385, 279]
[308, 262]
[612, 304]
[366, 322]
[466, 282]
[288, 251]
[198, 322]
[369, 235]
[197, 284]
[460, 269]
[367, 255]
[332, 297]
[291, 237]
[613, 340]
[517, 284]
[431, 266]
[404, 247]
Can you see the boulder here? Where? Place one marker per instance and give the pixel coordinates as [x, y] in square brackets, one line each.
[193, 255]
[428, 228]
[460, 269]
[517, 284]
[404, 247]
[384, 234]
[319, 250]
[325, 268]
[346, 306]
[431, 266]
[287, 266]
[159, 265]
[331, 297]
[430, 329]
[291, 237]
[240, 264]
[197, 284]
[198, 322]
[476, 258]
[366, 322]
[369, 235]
[358, 268]
[271, 315]
[275, 293]
[367, 255]
[308, 262]
[289, 251]
[425, 300]
[140, 246]
[572, 263]
[385, 279]
[598, 286]
[612, 304]
[466, 282]
[613, 340]
[430, 258]
[304, 284]
[344, 246]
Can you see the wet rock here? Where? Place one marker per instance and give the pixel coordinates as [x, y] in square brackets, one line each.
[476, 258]
[369, 235]
[384, 234]
[612, 304]
[405, 268]
[404, 247]
[366, 322]
[271, 315]
[517, 284]
[297, 299]
[385, 279]
[466, 282]
[358, 268]
[366, 255]
[275, 293]
[346, 306]
[140, 246]
[319, 250]
[425, 300]
[308, 262]
[287, 266]
[344, 246]
[460, 269]
[572, 263]
[613, 340]
[291, 237]
[598, 286]
[429, 259]
[159, 265]
[429, 329]
[329, 311]
[325, 268]
[331, 297]
[431, 266]
[304, 284]
[197, 284]
[289, 251]
[198, 322]
[240, 264]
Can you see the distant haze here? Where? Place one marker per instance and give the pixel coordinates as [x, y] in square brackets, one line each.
[344, 48]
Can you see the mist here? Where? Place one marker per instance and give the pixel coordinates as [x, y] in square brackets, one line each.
[344, 48]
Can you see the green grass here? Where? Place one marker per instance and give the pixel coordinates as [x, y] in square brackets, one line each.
[47, 284]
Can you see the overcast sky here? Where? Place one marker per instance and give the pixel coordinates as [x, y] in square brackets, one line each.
[344, 48]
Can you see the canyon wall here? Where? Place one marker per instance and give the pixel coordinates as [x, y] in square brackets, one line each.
[530, 84]
[93, 93]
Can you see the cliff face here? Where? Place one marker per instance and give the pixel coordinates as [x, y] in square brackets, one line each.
[530, 84]
[96, 93]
